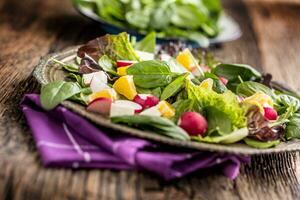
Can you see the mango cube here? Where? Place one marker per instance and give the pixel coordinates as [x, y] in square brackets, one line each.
[186, 59]
[166, 109]
[125, 86]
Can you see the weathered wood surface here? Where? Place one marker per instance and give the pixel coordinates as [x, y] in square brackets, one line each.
[30, 29]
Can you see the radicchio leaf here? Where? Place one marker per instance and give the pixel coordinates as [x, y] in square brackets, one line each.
[259, 128]
[88, 65]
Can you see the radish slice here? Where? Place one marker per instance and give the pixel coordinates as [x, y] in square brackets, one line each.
[270, 113]
[100, 105]
[87, 78]
[99, 82]
[223, 80]
[124, 107]
[124, 63]
[146, 100]
[153, 111]
[145, 55]
[193, 123]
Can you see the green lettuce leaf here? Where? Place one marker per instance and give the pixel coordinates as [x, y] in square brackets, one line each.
[231, 138]
[226, 102]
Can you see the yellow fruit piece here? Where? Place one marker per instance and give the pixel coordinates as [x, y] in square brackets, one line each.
[166, 109]
[122, 71]
[207, 84]
[186, 59]
[259, 99]
[125, 86]
[107, 93]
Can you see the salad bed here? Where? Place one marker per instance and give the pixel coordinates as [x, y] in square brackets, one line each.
[176, 93]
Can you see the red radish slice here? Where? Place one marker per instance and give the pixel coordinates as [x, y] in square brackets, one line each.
[124, 63]
[223, 80]
[193, 123]
[146, 100]
[270, 113]
[101, 105]
[124, 107]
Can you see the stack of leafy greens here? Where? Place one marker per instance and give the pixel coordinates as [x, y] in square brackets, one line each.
[195, 20]
[186, 97]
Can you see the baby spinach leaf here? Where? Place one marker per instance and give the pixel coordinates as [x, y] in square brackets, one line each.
[174, 87]
[261, 145]
[218, 121]
[107, 65]
[151, 74]
[70, 67]
[232, 71]
[249, 88]
[230, 138]
[286, 106]
[154, 124]
[54, 93]
[156, 92]
[293, 127]
[147, 44]
[77, 78]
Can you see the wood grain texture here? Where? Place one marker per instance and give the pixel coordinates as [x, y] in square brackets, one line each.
[30, 29]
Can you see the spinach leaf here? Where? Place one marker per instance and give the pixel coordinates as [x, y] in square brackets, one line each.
[77, 78]
[235, 72]
[70, 67]
[230, 138]
[249, 88]
[147, 44]
[107, 65]
[151, 74]
[154, 124]
[156, 92]
[54, 93]
[218, 121]
[293, 127]
[261, 145]
[285, 101]
[174, 87]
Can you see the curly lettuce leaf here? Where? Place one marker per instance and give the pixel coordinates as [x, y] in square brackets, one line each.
[226, 102]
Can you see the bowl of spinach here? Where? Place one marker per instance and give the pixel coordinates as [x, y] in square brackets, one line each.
[199, 23]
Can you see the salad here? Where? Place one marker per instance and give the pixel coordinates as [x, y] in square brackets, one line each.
[195, 20]
[176, 92]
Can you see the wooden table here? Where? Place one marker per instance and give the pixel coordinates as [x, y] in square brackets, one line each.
[30, 29]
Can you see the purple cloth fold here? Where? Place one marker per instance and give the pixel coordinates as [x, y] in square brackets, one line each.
[65, 139]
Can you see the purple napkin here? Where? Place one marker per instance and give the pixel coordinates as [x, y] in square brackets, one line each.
[65, 139]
